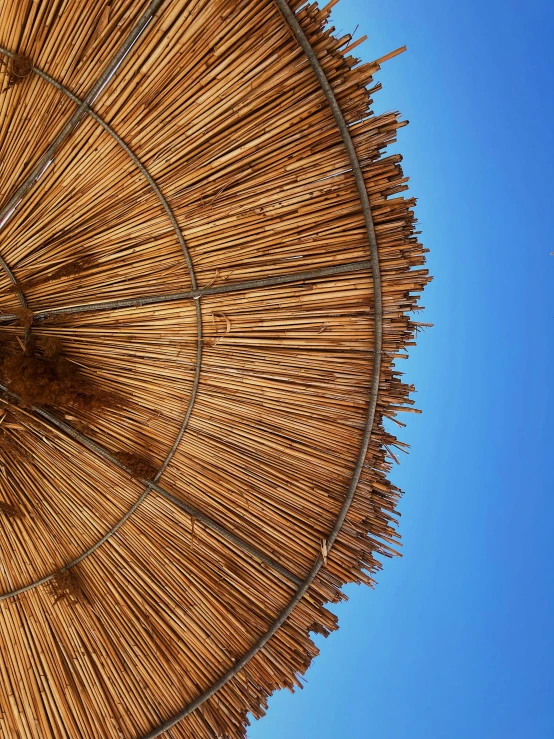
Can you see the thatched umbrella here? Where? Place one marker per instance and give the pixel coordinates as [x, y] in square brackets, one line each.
[207, 271]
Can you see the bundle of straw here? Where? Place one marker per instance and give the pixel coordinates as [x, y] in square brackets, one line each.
[207, 271]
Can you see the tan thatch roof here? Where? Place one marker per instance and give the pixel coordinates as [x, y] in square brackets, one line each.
[207, 275]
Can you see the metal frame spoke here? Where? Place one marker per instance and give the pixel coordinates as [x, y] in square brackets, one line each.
[100, 451]
[231, 287]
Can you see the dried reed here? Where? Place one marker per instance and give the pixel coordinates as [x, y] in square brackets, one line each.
[254, 414]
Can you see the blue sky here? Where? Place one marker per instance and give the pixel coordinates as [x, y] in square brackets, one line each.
[457, 641]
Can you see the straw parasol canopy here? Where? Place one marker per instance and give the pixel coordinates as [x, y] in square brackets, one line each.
[207, 275]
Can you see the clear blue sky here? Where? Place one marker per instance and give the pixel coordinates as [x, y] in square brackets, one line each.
[457, 641]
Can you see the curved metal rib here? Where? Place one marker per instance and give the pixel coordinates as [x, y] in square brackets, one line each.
[10, 274]
[374, 392]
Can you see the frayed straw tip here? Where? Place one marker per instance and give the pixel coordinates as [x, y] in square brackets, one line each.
[390, 55]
